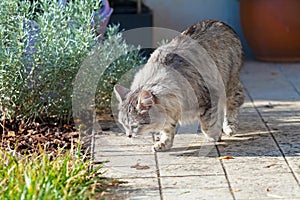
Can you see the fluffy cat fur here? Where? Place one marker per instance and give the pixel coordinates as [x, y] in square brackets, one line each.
[177, 85]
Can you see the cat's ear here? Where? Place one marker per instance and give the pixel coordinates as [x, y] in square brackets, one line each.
[121, 92]
[145, 100]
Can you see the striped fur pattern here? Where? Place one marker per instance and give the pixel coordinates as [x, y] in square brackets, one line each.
[172, 87]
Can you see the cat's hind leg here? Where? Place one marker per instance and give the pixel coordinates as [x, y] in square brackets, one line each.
[235, 98]
[211, 124]
[166, 139]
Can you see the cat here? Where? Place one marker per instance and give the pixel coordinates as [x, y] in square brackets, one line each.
[195, 76]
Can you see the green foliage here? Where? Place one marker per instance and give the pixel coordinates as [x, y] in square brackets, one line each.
[41, 57]
[42, 47]
[129, 62]
[42, 176]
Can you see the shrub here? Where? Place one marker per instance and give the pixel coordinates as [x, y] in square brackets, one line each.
[43, 46]
[117, 69]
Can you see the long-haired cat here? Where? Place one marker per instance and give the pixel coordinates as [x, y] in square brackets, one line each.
[195, 76]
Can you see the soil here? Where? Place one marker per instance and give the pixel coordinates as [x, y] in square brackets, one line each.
[27, 138]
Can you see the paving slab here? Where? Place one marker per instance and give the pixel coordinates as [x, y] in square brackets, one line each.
[264, 185]
[265, 152]
[289, 142]
[137, 189]
[188, 166]
[256, 165]
[291, 72]
[124, 157]
[265, 81]
[294, 163]
[130, 166]
[195, 187]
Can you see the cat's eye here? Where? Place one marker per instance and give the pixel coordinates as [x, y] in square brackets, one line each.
[133, 127]
[132, 109]
[143, 122]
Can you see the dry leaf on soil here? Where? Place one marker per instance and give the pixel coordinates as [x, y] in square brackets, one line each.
[11, 134]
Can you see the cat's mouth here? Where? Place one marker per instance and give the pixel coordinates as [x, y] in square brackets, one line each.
[131, 135]
[143, 130]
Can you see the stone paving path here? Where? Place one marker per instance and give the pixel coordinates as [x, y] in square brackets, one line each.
[265, 152]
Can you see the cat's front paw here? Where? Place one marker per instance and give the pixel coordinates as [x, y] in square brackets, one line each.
[229, 130]
[161, 146]
[209, 139]
[212, 139]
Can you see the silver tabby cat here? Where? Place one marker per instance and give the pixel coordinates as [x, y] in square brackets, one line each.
[195, 76]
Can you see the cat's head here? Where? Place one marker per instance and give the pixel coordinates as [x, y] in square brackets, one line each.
[139, 112]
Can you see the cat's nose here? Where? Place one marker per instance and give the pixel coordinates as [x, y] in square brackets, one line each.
[129, 134]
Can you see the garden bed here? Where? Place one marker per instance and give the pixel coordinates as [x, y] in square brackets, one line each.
[32, 146]
[27, 138]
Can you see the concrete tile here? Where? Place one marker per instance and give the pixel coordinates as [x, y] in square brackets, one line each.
[116, 150]
[251, 124]
[189, 159]
[129, 172]
[255, 145]
[121, 139]
[249, 120]
[191, 143]
[197, 194]
[294, 162]
[247, 107]
[188, 139]
[265, 81]
[116, 144]
[199, 149]
[129, 166]
[289, 142]
[291, 72]
[187, 166]
[271, 107]
[190, 170]
[129, 160]
[284, 126]
[137, 188]
[283, 123]
[264, 186]
[247, 111]
[140, 182]
[256, 165]
[195, 187]
[283, 116]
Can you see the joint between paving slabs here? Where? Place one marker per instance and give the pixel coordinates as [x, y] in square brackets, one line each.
[225, 173]
[272, 135]
[157, 170]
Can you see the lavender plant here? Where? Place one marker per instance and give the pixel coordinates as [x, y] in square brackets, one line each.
[42, 45]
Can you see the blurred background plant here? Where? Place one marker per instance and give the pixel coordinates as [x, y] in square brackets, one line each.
[123, 68]
[43, 44]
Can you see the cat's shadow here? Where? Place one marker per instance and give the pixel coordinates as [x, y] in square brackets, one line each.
[247, 144]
